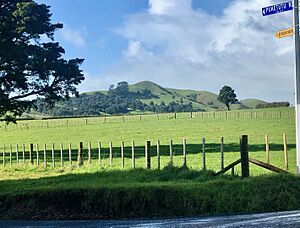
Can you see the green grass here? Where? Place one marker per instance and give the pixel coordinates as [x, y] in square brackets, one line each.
[165, 129]
[97, 191]
[171, 192]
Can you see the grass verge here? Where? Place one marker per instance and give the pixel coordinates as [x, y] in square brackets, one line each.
[171, 192]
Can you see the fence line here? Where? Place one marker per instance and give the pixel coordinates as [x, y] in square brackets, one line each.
[68, 155]
[73, 122]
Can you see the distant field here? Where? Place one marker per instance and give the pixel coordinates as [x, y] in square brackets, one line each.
[212, 127]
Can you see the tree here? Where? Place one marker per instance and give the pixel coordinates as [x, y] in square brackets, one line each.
[227, 96]
[29, 67]
[122, 88]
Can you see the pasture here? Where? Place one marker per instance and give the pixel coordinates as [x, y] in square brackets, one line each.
[164, 127]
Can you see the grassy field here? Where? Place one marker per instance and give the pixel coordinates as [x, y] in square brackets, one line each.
[193, 130]
[98, 191]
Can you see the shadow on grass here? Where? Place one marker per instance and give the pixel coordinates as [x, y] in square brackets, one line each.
[178, 149]
[145, 193]
[105, 177]
[140, 151]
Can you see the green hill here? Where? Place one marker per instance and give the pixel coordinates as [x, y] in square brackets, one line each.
[142, 97]
[251, 103]
[200, 99]
[204, 100]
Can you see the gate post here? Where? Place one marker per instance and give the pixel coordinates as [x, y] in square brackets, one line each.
[148, 154]
[244, 156]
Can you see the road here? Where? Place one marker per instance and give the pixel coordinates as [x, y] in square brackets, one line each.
[281, 219]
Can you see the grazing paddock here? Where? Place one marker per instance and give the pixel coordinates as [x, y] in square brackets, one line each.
[116, 138]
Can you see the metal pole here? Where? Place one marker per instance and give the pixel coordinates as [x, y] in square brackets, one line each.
[297, 81]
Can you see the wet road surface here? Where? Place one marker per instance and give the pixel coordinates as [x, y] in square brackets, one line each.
[280, 219]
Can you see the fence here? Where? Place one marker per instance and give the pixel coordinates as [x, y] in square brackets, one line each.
[242, 114]
[63, 155]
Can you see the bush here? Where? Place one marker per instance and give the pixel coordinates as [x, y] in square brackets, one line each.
[273, 105]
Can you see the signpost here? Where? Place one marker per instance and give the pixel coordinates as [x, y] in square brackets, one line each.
[285, 33]
[297, 81]
[279, 8]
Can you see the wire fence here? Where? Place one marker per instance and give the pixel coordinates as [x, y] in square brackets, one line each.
[73, 122]
[155, 155]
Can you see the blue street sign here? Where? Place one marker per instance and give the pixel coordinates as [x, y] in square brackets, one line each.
[279, 8]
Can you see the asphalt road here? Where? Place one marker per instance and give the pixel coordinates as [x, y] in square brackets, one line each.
[281, 219]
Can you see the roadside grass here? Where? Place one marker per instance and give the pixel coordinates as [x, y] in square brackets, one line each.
[171, 192]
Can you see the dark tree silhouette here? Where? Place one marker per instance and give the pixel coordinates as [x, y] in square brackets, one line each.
[29, 67]
[227, 96]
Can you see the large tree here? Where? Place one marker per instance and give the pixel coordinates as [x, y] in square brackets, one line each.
[227, 96]
[31, 62]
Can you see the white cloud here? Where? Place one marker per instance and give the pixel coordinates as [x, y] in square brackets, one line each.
[75, 37]
[133, 50]
[170, 7]
[177, 46]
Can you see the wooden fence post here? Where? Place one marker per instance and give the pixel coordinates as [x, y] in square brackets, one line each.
[222, 153]
[184, 151]
[70, 153]
[133, 155]
[45, 155]
[99, 153]
[244, 156]
[232, 171]
[89, 153]
[158, 154]
[267, 149]
[203, 154]
[191, 115]
[53, 158]
[286, 158]
[175, 115]
[171, 152]
[31, 153]
[37, 155]
[23, 153]
[10, 154]
[79, 156]
[3, 155]
[122, 155]
[110, 154]
[61, 155]
[17, 153]
[148, 154]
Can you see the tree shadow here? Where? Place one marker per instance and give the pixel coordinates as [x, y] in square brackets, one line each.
[139, 151]
[177, 149]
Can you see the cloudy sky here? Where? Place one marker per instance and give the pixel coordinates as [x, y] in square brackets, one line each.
[194, 44]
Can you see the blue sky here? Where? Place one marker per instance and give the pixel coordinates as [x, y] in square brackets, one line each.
[97, 21]
[196, 44]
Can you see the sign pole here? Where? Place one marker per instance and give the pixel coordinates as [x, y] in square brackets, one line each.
[297, 81]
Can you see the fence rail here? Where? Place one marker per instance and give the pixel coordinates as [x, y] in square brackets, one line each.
[73, 122]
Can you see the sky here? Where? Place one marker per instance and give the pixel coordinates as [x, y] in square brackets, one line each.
[186, 44]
